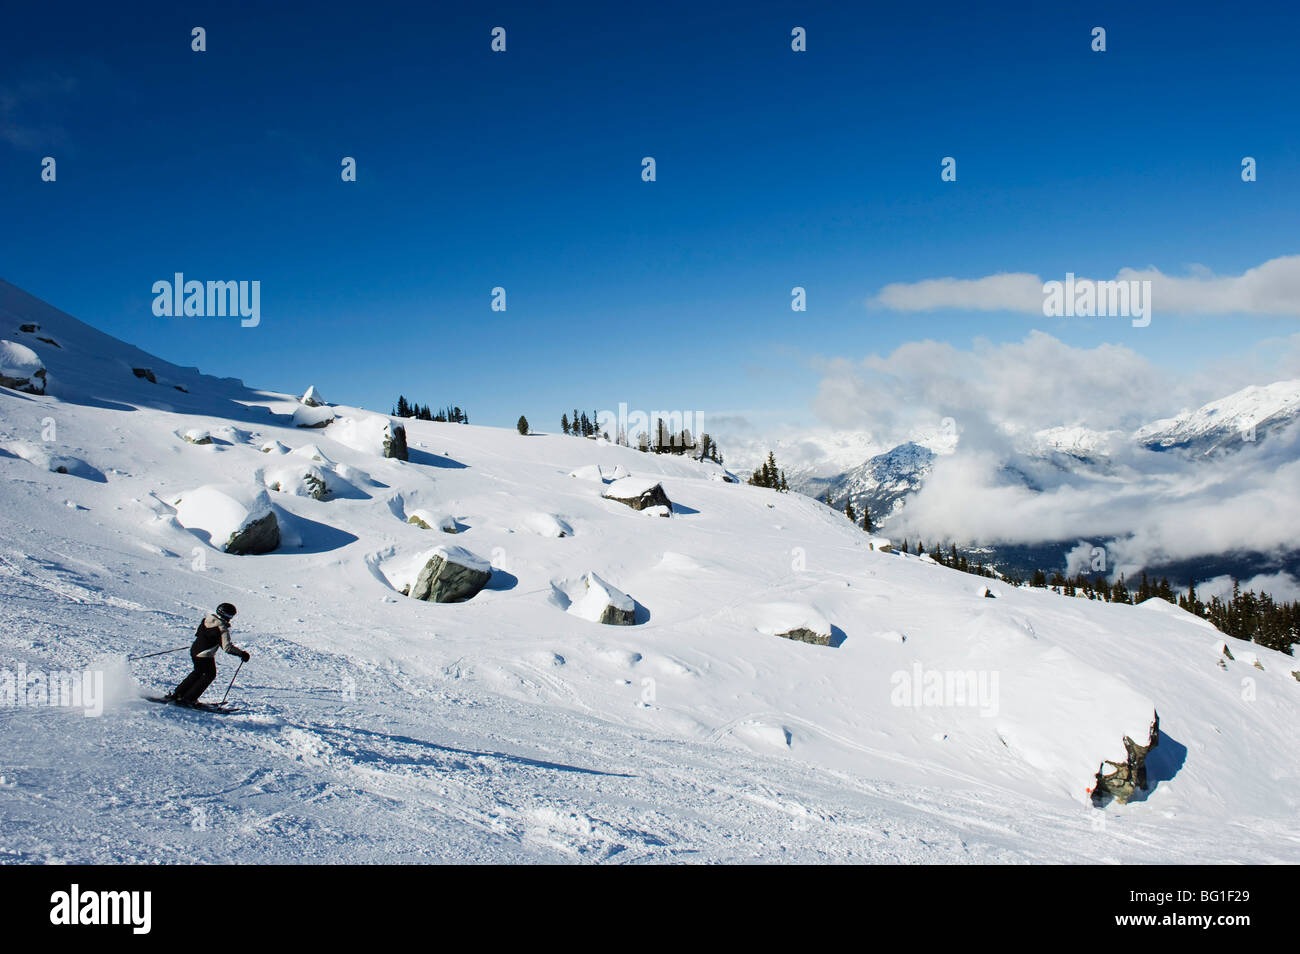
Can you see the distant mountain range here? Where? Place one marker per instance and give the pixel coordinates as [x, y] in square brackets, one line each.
[887, 480]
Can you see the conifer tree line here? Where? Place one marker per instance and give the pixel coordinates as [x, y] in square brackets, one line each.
[664, 441]
[1250, 616]
[769, 475]
[851, 512]
[418, 412]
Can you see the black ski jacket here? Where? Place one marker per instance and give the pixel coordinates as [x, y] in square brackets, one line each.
[213, 632]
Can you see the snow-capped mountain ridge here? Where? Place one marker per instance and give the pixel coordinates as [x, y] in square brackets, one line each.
[1242, 417]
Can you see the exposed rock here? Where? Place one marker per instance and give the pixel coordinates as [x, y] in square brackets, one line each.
[600, 602]
[1121, 779]
[181, 389]
[450, 575]
[146, 374]
[312, 398]
[639, 494]
[29, 329]
[21, 369]
[260, 536]
[49, 341]
[807, 636]
[798, 621]
[395, 441]
[309, 482]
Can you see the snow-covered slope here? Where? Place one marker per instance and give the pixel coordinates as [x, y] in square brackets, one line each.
[379, 727]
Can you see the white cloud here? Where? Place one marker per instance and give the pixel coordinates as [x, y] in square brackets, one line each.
[1272, 288]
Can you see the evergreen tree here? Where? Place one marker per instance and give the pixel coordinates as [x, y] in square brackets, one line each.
[866, 519]
[522, 425]
[564, 423]
[848, 510]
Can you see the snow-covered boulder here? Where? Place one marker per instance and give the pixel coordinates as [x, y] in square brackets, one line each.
[985, 592]
[237, 519]
[197, 435]
[274, 447]
[302, 481]
[372, 434]
[547, 525]
[312, 398]
[308, 415]
[600, 602]
[639, 493]
[20, 368]
[447, 575]
[428, 520]
[880, 544]
[797, 621]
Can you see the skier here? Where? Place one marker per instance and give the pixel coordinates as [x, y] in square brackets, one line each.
[214, 631]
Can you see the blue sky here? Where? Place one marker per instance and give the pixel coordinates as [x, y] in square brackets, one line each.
[522, 170]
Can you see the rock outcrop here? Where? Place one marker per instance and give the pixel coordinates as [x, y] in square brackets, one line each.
[259, 536]
[600, 602]
[639, 493]
[395, 442]
[1121, 780]
[450, 575]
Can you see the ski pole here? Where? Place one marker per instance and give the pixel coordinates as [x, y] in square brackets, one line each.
[151, 655]
[232, 682]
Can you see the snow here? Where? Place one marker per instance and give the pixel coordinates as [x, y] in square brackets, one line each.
[510, 728]
[221, 510]
[18, 360]
[434, 521]
[547, 525]
[312, 397]
[306, 416]
[1225, 419]
[594, 595]
[777, 618]
[628, 488]
[296, 480]
[363, 432]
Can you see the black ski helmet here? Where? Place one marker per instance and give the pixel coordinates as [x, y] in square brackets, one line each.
[226, 610]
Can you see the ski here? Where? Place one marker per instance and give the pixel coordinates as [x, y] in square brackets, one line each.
[212, 707]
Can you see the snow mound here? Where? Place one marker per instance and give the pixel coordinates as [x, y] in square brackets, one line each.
[601, 472]
[428, 520]
[305, 415]
[21, 368]
[370, 434]
[547, 525]
[776, 619]
[223, 511]
[596, 596]
[38, 456]
[303, 481]
[311, 452]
